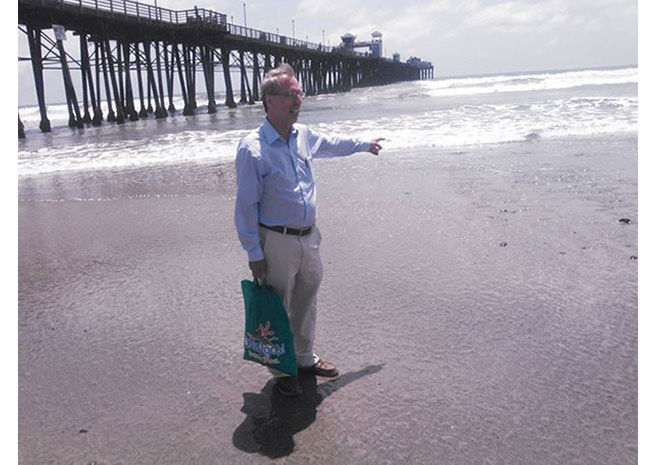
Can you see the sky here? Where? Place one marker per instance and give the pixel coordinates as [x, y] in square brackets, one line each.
[459, 37]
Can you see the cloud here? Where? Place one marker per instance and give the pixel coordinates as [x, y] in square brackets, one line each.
[547, 48]
[404, 26]
[518, 17]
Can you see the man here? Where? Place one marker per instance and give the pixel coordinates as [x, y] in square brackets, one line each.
[275, 211]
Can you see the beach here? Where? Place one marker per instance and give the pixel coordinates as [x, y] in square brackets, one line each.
[480, 302]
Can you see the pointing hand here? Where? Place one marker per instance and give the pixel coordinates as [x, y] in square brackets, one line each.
[375, 146]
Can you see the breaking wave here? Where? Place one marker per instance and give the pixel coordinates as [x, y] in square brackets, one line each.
[441, 113]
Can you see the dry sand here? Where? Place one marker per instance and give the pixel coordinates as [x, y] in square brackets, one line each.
[481, 305]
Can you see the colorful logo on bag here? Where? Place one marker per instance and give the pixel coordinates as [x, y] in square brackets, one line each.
[262, 345]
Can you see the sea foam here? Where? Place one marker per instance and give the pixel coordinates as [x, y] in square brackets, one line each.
[451, 112]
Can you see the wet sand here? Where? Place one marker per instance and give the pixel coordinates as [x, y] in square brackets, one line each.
[481, 305]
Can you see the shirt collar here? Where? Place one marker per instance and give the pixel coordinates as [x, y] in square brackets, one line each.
[271, 134]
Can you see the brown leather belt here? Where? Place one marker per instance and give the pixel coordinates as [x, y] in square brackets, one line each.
[285, 230]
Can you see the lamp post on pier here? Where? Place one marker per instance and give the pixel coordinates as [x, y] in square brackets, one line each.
[245, 20]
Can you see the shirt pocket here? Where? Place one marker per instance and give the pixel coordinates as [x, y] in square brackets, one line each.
[281, 173]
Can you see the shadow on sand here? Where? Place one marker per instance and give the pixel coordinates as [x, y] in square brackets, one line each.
[273, 419]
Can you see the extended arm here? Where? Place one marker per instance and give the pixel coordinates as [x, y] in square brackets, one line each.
[323, 146]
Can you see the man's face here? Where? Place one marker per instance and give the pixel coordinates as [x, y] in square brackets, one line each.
[284, 109]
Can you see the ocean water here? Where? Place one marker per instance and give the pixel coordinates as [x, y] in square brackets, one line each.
[443, 113]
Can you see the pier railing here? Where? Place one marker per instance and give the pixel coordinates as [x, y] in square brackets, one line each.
[196, 16]
[129, 8]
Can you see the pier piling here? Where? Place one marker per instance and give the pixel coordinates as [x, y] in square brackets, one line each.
[129, 94]
[256, 78]
[160, 112]
[98, 54]
[85, 90]
[207, 55]
[143, 112]
[34, 38]
[229, 95]
[21, 129]
[120, 113]
[188, 110]
[170, 75]
[74, 120]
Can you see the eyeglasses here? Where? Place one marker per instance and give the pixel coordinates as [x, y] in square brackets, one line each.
[292, 94]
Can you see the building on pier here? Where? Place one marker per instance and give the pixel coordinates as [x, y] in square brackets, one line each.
[425, 68]
[376, 44]
[373, 47]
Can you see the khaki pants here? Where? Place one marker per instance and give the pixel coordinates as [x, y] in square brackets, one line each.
[294, 270]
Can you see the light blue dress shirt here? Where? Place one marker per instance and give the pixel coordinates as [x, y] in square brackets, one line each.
[275, 179]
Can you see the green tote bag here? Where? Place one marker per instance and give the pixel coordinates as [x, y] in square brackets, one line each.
[268, 338]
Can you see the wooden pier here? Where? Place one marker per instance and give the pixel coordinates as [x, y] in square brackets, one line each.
[135, 55]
